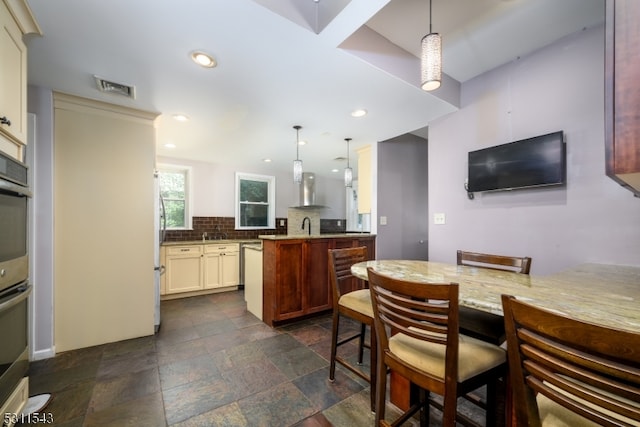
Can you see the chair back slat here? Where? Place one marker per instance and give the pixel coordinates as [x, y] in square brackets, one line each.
[578, 364]
[592, 370]
[340, 262]
[408, 307]
[548, 383]
[497, 262]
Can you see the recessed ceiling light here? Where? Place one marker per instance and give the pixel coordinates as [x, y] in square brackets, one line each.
[170, 145]
[266, 160]
[203, 59]
[302, 142]
[359, 113]
[334, 170]
[181, 117]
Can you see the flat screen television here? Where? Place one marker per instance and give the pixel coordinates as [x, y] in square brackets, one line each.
[532, 162]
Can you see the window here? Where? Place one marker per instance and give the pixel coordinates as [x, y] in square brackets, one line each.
[255, 201]
[174, 184]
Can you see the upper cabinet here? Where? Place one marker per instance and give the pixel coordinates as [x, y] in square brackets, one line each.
[622, 93]
[365, 180]
[16, 20]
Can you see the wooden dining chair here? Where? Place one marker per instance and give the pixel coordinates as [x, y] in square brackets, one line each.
[427, 349]
[351, 298]
[570, 373]
[480, 324]
[496, 262]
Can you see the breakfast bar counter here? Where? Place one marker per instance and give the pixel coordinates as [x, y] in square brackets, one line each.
[598, 293]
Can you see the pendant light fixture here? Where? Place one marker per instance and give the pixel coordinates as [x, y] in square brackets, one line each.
[348, 172]
[431, 59]
[297, 163]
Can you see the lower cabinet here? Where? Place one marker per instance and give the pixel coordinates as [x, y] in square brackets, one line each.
[296, 275]
[11, 410]
[183, 269]
[199, 268]
[221, 266]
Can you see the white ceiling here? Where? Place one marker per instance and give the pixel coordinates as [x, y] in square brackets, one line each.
[285, 62]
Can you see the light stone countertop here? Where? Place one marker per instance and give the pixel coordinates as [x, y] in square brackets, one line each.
[597, 293]
[209, 242]
[312, 236]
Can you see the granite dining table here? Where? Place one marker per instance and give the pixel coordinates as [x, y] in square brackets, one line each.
[599, 293]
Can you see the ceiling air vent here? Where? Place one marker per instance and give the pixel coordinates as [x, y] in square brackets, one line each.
[116, 88]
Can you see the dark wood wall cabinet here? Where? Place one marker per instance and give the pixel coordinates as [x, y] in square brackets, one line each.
[296, 277]
[622, 93]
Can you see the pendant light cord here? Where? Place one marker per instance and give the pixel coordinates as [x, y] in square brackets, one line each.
[297, 128]
[430, 14]
[348, 139]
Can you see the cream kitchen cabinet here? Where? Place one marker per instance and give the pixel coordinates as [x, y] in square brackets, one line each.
[183, 269]
[15, 21]
[194, 269]
[365, 177]
[12, 408]
[221, 265]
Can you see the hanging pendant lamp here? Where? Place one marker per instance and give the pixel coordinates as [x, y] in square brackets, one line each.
[431, 59]
[297, 163]
[348, 172]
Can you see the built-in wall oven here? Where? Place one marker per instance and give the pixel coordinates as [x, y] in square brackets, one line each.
[14, 272]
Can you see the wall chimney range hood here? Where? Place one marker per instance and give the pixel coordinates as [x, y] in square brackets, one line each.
[308, 192]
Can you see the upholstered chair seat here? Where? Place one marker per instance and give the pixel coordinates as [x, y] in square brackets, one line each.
[359, 301]
[474, 356]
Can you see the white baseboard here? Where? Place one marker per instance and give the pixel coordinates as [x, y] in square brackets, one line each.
[43, 354]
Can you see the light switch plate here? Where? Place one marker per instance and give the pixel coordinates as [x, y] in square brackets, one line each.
[383, 220]
[438, 218]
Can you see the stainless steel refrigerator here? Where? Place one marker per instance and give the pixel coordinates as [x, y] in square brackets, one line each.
[160, 226]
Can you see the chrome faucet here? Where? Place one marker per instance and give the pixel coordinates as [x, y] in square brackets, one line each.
[306, 218]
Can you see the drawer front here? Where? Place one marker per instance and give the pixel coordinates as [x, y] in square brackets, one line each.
[15, 403]
[229, 247]
[184, 250]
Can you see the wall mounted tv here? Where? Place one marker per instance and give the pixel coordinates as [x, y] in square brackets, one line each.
[531, 162]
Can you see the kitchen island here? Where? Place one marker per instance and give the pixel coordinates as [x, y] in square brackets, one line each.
[296, 273]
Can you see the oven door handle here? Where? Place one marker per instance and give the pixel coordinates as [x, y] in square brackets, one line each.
[10, 187]
[17, 299]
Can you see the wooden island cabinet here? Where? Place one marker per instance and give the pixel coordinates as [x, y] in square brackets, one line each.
[296, 274]
[622, 93]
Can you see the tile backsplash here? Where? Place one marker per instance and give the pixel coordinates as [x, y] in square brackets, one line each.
[218, 227]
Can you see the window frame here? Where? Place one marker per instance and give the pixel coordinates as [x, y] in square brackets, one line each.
[271, 181]
[188, 173]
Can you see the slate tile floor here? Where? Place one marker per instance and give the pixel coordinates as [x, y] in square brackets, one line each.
[212, 364]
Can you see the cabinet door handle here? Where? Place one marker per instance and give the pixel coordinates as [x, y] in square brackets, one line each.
[5, 121]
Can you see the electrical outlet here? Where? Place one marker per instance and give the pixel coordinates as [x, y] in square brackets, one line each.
[282, 223]
[438, 218]
[383, 220]
[339, 223]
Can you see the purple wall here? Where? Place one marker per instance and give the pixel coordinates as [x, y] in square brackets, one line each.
[592, 219]
[403, 198]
